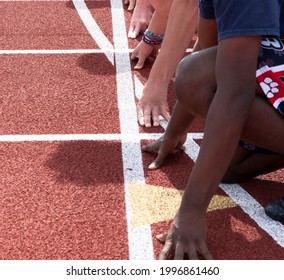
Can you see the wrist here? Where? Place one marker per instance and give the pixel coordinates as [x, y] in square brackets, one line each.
[152, 38]
[156, 86]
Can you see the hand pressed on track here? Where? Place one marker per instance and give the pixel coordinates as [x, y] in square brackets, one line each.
[152, 104]
[140, 20]
[142, 52]
[186, 237]
[164, 146]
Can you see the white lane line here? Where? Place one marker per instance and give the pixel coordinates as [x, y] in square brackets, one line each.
[93, 28]
[67, 51]
[139, 239]
[127, 137]
[11, 1]
[248, 204]
[255, 211]
[74, 51]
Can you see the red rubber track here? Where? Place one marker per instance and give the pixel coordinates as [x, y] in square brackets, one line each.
[66, 199]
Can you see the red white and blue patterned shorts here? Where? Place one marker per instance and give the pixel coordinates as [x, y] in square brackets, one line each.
[270, 71]
[270, 76]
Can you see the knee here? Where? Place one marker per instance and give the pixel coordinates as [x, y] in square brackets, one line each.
[187, 81]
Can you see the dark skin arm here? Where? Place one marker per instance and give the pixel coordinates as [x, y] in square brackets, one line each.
[226, 117]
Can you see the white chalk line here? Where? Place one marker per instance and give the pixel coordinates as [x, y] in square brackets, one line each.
[245, 201]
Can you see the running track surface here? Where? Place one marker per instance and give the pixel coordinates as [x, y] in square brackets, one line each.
[74, 182]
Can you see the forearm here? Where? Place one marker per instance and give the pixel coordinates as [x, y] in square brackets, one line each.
[181, 120]
[180, 28]
[221, 136]
[225, 120]
[143, 6]
[158, 22]
[143, 3]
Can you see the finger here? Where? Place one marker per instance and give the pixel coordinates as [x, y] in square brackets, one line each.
[182, 140]
[140, 115]
[155, 117]
[133, 34]
[167, 250]
[160, 159]
[131, 5]
[203, 250]
[147, 117]
[192, 254]
[162, 237]
[165, 114]
[158, 162]
[137, 30]
[140, 63]
[152, 148]
[126, 2]
[163, 152]
[134, 55]
[179, 252]
[131, 31]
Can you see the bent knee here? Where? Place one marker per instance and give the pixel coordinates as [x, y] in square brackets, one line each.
[195, 85]
[187, 78]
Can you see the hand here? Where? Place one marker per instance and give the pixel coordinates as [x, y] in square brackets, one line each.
[130, 3]
[164, 146]
[140, 20]
[152, 104]
[142, 52]
[186, 236]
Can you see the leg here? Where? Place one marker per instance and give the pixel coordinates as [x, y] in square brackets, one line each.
[195, 85]
[195, 89]
[248, 164]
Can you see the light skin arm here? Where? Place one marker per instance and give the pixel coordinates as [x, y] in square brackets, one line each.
[181, 26]
[181, 119]
[227, 115]
[140, 19]
[157, 25]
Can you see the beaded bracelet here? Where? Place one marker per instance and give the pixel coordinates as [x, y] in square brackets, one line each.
[152, 38]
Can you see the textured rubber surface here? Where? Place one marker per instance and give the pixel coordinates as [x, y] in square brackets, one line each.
[74, 182]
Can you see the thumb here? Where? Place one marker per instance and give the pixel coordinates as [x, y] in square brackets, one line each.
[140, 63]
[158, 162]
[136, 30]
[131, 31]
[131, 5]
[162, 237]
[165, 114]
[134, 54]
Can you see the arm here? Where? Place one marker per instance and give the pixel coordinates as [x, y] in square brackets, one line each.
[181, 26]
[207, 34]
[226, 117]
[157, 25]
[227, 113]
[141, 17]
[181, 118]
